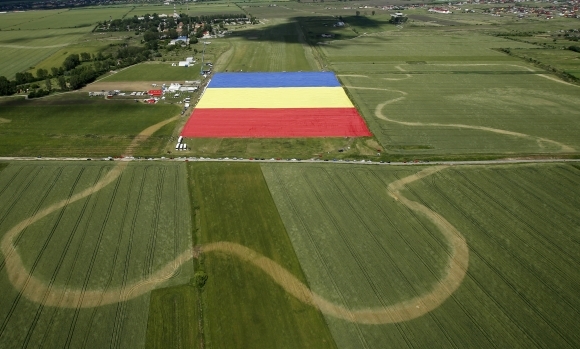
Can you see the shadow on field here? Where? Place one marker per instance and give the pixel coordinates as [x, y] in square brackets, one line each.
[313, 28]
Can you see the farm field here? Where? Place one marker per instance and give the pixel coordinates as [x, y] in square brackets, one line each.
[81, 271]
[199, 9]
[277, 46]
[243, 306]
[156, 72]
[451, 93]
[62, 18]
[23, 49]
[566, 60]
[173, 318]
[82, 127]
[519, 222]
[468, 112]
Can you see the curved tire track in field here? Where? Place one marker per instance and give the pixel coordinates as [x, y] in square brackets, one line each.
[379, 114]
[38, 291]
[403, 311]
[34, 288]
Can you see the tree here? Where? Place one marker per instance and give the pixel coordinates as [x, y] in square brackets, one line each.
[71, 62]
[358, 13]
[7, 87]
[23, 78]
[373, 13]
[41, 73]
[54, 72]
[48, 84]
[62, 82]
[85, 56]
[172, 33]
[150, 36]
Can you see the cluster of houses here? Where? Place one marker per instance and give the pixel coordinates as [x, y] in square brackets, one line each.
[569, 10]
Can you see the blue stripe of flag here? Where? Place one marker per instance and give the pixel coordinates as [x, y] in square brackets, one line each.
[285, 79]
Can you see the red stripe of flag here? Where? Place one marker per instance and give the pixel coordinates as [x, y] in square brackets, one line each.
[275, 123]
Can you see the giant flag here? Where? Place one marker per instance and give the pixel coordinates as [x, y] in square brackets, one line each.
[274, 105]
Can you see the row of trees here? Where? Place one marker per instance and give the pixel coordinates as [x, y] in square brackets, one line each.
[76, 71]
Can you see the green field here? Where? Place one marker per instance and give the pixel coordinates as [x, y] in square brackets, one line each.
[173, 318]
[277, 46]
[244, 307]
[361, 248]
[102, 249]
[566, 60]
[157, 72]
[23, 49]
[82, 127]
[468, 112]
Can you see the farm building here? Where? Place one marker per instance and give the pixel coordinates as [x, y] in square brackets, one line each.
[184, 39]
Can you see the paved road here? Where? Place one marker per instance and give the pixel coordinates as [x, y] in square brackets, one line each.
[272, 160]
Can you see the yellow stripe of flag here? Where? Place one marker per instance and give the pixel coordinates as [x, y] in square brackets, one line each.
[287, 97]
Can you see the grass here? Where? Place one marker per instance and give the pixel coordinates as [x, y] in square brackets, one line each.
[359, 247]
[117, 236]
[80, 127]
[242, 306]
[157, 72]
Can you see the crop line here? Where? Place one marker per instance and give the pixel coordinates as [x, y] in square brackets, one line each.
[523, 203]
[573, 182]
[17, 194]
[554, 266]
[514, 288]
[56, 270]
[12, 253]
[117, 328]
[490, 266]
[150, 249]
[93, 258]
[26, 278]
[372, 236]
[341, 231]
[536, 234]
[319, 254]
[8, 184]
[391, 259]
[75, 257]
[457, 302]
[442, 245]
[115, 255]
